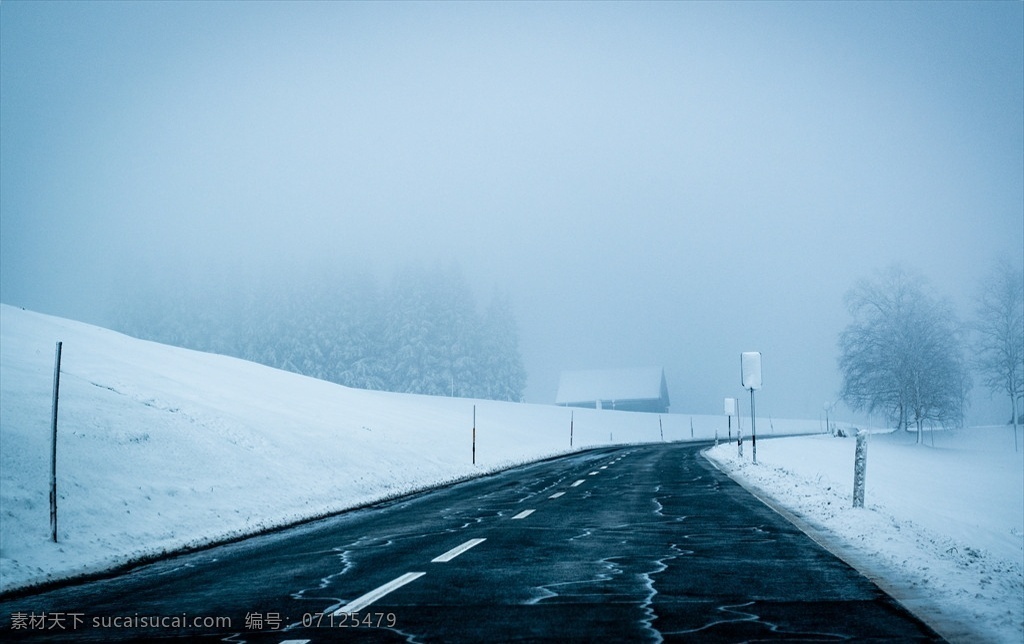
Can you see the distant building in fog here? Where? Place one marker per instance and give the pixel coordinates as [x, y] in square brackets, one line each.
[642, 389]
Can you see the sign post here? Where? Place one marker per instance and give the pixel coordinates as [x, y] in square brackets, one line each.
[730, 411]
[750, 371]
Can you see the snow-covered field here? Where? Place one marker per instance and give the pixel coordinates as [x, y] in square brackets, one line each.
[942, 528]
[162, 448]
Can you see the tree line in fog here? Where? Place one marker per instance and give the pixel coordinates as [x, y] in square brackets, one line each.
[423, 334]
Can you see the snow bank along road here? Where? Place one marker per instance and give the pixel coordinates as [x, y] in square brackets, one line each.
[637, 543]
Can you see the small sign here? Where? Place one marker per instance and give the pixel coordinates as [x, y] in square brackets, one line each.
[750, 367]
[730, 407]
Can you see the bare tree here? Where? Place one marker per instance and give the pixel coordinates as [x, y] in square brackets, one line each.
[902, 353]
[999, 334]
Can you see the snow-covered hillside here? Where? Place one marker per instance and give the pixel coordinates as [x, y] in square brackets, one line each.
[161, 448]
[942, 528]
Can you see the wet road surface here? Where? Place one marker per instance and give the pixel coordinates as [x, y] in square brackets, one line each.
[640, 543]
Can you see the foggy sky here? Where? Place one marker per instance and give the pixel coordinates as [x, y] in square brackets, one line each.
[653, 184]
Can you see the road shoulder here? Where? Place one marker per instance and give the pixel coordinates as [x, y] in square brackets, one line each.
[903, 591]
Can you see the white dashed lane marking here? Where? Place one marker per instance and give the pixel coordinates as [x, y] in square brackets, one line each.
[457, 550]
[362, 602]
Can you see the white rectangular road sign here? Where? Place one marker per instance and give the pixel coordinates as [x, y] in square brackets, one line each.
[750, 366]
[730, 407]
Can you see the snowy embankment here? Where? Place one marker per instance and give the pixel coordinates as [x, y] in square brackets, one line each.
[942, 528]
[161, 448]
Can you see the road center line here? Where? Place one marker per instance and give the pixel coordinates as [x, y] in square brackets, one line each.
[524, 514]
[556, 495]
[577, 483]
[362, 602]
[457, 550]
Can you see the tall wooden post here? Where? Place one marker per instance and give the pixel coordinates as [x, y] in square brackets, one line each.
[53, 447]
[474, 434]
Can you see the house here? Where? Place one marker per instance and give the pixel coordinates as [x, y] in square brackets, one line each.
[641, 389]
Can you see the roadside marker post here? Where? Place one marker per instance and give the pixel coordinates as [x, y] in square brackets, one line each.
[860, 466]
[53, 446]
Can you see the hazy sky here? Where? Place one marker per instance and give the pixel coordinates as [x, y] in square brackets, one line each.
[654, 184]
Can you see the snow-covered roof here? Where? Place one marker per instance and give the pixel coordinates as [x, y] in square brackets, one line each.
[644, 383]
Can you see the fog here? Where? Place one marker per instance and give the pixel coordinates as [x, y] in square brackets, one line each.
[653, 184]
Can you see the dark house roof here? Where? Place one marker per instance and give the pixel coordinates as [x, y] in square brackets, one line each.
[642, 389]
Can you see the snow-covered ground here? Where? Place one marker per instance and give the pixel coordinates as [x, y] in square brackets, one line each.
[163, 448]
[942, 528]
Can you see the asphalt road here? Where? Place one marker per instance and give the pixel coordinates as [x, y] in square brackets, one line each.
[638, 543]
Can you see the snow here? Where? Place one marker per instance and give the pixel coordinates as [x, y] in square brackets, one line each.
[162, 448]
[942, 528]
